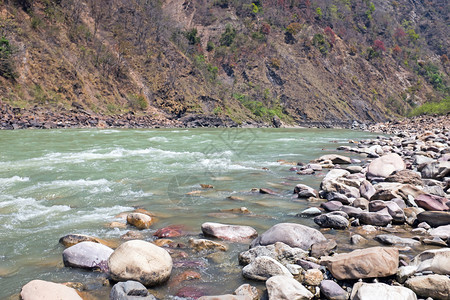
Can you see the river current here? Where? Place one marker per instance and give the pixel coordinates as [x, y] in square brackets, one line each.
[58, 182]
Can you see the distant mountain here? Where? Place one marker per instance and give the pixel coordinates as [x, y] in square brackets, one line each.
[300, 60]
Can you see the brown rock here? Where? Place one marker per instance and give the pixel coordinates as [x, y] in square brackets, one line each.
[170, 231]
[363, 263]
[323, 248]
[73, 239]
[313, 277]
[139, 220]
[203, 244]
[406, 177]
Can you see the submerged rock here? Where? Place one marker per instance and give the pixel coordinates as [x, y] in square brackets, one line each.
[73, 239]
[363, 263]
[204, 244]
[389, 239]
[170, 231]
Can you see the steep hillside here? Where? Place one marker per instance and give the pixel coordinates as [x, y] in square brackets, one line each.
[303, 61]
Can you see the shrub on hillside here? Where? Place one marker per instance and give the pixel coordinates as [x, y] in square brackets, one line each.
[431, 108]
[228, 36]
[6, 63]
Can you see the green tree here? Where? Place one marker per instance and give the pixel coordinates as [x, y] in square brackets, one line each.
[228, 36]
[192, 37]
[6, 63]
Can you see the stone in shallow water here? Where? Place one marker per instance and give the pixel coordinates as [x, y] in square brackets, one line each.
[285, 288]
[139, 220]
[363, 263]
[131, 290]
[170, 231]
[312, 211]
[357, 240]
[441, 232]
[305, 191]
[204, 244]
[294, 235]
[331, 221]
[376, 291]
[140, 261]
[87, 255]
[228, 232]
[389, 239]
[323, 248]
[39, 289]
[73, 239]
[335, 159]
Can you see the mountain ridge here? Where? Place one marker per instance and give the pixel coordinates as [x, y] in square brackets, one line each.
[300, 61]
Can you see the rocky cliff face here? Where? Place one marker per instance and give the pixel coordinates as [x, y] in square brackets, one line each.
[301, 61]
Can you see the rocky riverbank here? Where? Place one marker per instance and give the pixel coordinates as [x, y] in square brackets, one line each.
[77, 117]
[391, 205]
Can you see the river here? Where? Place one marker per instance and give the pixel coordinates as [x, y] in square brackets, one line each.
[57, 182]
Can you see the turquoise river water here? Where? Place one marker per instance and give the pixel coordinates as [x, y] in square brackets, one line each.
[57, 182]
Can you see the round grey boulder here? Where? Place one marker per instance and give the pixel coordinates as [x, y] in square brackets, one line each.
[141, 261]
[87, 255]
